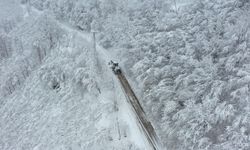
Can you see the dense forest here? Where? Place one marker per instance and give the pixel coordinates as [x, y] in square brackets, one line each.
[190, 60]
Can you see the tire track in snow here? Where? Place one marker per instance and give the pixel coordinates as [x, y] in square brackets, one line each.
[144, 124]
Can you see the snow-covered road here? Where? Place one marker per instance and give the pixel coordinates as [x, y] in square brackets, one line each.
[143, 123]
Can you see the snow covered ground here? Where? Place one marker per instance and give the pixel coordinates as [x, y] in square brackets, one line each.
[60, 100]
[188, 62]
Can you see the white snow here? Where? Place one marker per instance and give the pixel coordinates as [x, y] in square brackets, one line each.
[187, 61]
[69, 117]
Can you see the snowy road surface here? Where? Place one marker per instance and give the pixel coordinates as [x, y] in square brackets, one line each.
[145, 126]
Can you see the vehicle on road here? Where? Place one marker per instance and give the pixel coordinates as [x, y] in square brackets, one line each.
[115, 67]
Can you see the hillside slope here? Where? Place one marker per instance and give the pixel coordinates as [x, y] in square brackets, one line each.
[187, 60]
[52, 94]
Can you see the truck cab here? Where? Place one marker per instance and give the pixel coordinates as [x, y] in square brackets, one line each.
[115, 67]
